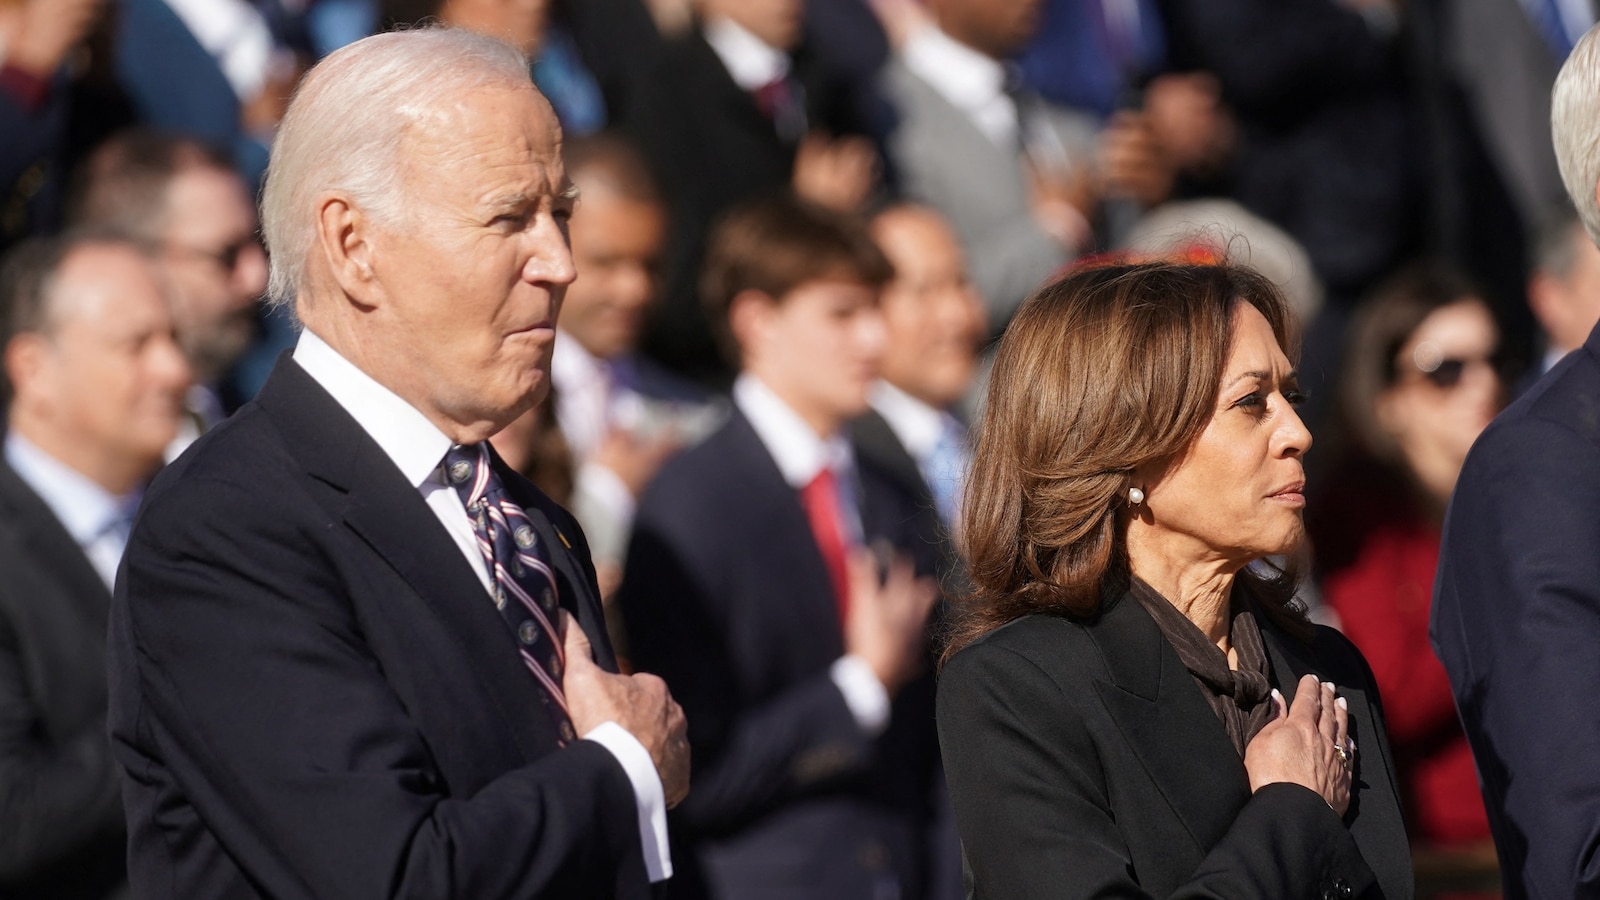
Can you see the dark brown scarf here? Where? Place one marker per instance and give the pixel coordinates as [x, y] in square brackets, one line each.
[1241, 698]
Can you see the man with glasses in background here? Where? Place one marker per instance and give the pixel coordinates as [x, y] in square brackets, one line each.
[183, 200]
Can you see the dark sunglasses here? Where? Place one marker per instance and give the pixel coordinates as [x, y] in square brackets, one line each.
[1448, 371]
[227, 257]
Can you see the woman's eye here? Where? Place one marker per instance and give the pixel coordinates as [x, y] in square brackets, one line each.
[1249, 401]
[1296, 398]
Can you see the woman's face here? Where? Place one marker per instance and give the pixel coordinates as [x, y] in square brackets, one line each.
[1238, 493]
[1445, 392]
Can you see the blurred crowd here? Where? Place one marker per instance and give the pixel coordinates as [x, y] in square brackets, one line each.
[808, 218]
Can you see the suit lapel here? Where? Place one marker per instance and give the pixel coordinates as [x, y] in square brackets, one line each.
[1168, 724]
[390, 516]
[573, 582]
[787, 531]
[56, 550]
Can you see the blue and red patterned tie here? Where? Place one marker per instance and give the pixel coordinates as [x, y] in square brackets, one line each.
[524, 583]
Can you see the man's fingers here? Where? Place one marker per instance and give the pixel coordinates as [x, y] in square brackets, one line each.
[575, 642]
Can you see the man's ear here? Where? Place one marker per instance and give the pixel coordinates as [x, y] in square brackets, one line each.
[26, 356]
[344, 235]
[749, 319]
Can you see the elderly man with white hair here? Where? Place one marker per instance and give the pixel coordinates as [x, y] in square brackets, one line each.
[1516, 608]
[352, 654]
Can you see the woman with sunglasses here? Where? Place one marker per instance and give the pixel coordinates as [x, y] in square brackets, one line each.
[1419, 384]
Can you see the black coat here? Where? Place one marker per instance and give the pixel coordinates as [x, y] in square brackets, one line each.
[312, 696]
[727, 598]
[1516, 622]
[61, 831]
[1084, 762]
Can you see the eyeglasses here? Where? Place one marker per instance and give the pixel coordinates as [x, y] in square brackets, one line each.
[227, 257]
[1446, 372]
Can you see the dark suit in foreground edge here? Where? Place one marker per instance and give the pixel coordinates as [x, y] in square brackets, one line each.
[1084, 762]
[1516, 622]
[727, 598]
[312, 695]
[61, 833]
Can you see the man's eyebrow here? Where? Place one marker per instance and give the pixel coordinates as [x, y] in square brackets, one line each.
[508, 200]
[570, 193]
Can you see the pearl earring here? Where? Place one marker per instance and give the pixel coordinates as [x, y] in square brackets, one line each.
[1135, 496]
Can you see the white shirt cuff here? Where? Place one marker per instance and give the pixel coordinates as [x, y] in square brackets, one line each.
[863, 693]
[647, 794]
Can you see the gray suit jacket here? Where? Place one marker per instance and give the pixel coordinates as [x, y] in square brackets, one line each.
[943, 160]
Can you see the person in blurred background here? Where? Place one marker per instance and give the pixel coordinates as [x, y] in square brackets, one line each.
[935, 326]
[1563, 290]
[93, 385]
[1420, 384]
[558, 70]
[738, 107]
[1010, 170]
[619, 414]
[182, 198]
[47, 118]
[752, 587]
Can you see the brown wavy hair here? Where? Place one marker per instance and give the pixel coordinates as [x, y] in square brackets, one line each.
[1099, 373]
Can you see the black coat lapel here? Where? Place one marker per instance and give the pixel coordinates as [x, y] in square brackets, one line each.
[574, 581]
[1169, 725]
[391, 517]
[47, 539]
[769, 496]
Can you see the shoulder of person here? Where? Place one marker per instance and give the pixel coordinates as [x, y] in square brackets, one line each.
[1056, 645]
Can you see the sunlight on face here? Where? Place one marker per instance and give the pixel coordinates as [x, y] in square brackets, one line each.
[1238, 493]
[473, 277]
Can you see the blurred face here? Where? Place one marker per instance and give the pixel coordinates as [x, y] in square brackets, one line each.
[998, 28]
[1446, 391]
[108, 379]
[1238, 493]
[521, 22]
[216, 266]
[469, 283]
[933, 318]
[616, 246]
[777, 23]
[1568, 308]
[819, 348]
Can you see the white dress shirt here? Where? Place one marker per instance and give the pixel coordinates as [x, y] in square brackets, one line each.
[801, 454]
[588, 404]
[417, 448]
[920, 428]
[972, 82]
[96, 518]
[236, 36]
[752, 62]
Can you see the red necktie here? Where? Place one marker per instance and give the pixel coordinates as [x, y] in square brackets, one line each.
[821, 501]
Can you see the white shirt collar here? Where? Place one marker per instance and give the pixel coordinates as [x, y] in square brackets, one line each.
[82, 506]
[799, 452]
[415, 444]
[970, 80]
[916, 424]
[751, 61]
[572, 363]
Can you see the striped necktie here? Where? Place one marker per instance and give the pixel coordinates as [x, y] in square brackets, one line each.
[525, 589]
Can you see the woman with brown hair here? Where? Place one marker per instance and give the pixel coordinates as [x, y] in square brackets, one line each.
[1132, 706]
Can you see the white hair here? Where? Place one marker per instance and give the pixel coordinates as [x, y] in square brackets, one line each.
[1575, 128]
[346, 126]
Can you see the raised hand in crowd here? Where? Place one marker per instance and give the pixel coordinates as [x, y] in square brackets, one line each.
[888, 618]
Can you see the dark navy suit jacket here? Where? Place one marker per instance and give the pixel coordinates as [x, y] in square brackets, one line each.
[61, 834]
[727, 598]
[311, 695]
[1516, 621]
